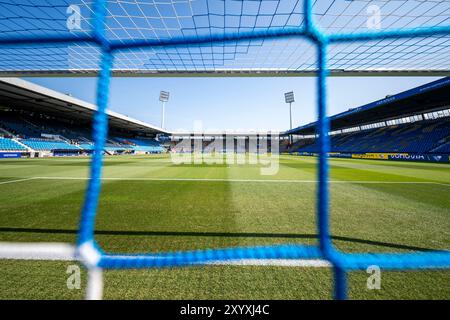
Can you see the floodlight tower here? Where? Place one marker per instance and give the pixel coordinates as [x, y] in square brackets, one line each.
[289, 98]
[163, 97]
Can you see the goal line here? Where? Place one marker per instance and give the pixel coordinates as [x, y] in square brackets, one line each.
[227, 180]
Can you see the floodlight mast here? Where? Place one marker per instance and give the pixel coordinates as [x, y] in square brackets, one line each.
[163, 97]
[289, 98]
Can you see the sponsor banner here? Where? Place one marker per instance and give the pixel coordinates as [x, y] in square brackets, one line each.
[5, 155]
[378, 156]
[420, 157]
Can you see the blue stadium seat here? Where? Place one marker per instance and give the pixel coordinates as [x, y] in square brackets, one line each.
[10, 145]
[48, 145]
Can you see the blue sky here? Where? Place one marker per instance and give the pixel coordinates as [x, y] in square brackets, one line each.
[232, 103]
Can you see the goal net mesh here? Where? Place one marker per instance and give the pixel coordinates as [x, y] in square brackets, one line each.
[195, 36]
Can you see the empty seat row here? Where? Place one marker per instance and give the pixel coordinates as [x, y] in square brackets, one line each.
[10, 145]
[48, 145]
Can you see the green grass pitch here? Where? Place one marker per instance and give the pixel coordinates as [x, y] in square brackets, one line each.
[411, 212]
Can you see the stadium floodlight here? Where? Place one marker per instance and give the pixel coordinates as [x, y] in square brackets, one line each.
[163, 97]
[289, 98]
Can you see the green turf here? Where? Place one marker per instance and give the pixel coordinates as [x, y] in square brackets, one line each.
[152, 216]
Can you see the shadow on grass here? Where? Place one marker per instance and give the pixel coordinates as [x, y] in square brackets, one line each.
[216, 234]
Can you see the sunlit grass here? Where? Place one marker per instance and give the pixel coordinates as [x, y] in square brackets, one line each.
[138, 214]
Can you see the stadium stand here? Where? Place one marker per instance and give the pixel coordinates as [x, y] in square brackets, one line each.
[18, 127]
[29, 131]
[86, 146]
[7, 144]
[338, 25]
[42, 124]
[444, 148]
[416, 121]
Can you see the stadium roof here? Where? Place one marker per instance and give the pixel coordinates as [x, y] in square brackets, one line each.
[428, 97]
[217, 37]
[19, 94]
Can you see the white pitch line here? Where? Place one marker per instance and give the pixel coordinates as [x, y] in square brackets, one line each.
[316, 263]
[241, 180]
[17, 180]
[37, 251]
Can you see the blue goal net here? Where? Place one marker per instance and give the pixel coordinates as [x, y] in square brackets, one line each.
[208, 36]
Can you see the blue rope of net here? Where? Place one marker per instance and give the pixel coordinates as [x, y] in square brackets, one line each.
[341, 262]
